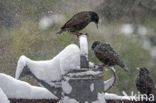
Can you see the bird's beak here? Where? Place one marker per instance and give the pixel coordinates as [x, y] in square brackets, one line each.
[137, 68]
[97, 25]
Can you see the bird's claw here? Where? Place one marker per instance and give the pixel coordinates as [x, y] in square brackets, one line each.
[86, 34]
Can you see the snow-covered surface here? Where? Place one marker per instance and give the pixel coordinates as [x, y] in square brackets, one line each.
[22, 90]
[93, 66]
[83, 45]
[92, 87]
[66, 99]
[110, 82]
[111, 96]
[52, 70]
[101, 98]
[85, 73]
[3, 97]
[66, 87]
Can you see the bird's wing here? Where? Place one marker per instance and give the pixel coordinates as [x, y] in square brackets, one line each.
[77, 19]
[99, 53]
[150, 82]
[103, 54]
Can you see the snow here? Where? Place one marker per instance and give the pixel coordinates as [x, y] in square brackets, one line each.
[48, 21]
[52, 70]
[89, 72]
[83, 45]
[110, 82]
[127, 29]
[66, 87]
[66, 99]
[92, 87]
[111, 96]
[3, 98]
[22, 90]
[100, 97]
[93, 66]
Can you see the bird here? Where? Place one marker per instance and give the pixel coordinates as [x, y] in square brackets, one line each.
[79, 21]
[105, 53]
[144, 82]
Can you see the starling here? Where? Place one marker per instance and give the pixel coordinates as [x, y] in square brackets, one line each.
[105, 53]
[79, 21]
[144, 82]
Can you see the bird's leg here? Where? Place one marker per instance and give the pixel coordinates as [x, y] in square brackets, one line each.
[102, 66]
[78, 34]
[86, 34]
[83, 33]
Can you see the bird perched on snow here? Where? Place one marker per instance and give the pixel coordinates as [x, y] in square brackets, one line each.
[79, 21]
[144, 82]
[105, 53]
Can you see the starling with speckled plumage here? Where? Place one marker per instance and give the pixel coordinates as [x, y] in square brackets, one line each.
[144, 82]
[105, 53]
[79, 21]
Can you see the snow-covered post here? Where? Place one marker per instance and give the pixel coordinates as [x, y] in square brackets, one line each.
[83, 42]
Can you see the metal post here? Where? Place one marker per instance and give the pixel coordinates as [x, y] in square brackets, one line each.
[83, 42]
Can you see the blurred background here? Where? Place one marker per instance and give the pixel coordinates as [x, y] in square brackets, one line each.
[28, 27]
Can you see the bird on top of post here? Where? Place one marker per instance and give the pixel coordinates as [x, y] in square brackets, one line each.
[105, 53]
[79, 21]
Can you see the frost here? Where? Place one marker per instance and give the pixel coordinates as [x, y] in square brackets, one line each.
[92, 87]
[22, 90]
[52, 70]
[3, 98]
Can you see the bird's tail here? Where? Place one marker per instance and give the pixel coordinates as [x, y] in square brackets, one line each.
[154, 93]
[59, 32]
[123, 66]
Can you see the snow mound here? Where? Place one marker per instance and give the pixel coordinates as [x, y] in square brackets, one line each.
[3, 98]
[111, 96]
[51, 70]
[22, 90]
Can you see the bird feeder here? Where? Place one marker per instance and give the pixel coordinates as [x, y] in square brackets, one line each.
[81, 85]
